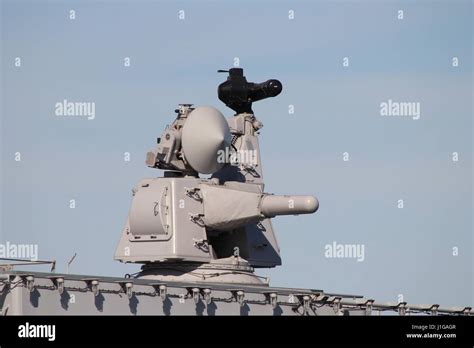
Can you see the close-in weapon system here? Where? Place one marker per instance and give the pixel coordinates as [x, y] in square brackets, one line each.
[219, 227]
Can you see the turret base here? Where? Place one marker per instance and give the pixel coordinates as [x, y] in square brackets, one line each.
[228, 270]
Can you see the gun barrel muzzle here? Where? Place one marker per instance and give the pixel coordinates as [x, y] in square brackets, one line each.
[273, 205]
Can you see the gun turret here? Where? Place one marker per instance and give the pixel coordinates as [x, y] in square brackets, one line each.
[182, 218]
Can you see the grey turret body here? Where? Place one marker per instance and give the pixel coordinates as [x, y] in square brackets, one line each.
[183, 218]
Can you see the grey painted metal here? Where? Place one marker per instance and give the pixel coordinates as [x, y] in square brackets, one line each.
[183, 218]
[273, 205]
[37, 293]
[204, 136]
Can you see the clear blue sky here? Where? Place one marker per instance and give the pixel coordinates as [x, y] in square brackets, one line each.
[407, 251]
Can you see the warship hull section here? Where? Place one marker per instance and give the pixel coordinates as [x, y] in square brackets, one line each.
[24, 293]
